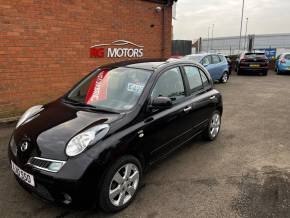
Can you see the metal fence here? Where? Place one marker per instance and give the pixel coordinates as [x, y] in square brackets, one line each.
[230, 45]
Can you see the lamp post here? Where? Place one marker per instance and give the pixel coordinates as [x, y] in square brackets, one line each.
[211, 47]
[246, 32]
[208, 38]
[242, 18]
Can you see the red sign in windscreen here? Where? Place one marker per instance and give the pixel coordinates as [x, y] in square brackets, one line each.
[98, 88]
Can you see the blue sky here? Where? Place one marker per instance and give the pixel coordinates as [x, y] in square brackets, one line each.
[195, 16]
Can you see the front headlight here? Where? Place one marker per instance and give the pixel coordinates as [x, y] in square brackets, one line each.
[29, 113]
[84, 139]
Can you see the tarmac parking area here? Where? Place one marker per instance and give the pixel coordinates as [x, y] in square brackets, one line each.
[244, 173]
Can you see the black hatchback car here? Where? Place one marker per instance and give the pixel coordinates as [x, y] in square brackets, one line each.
[252, 62]
[92, 145]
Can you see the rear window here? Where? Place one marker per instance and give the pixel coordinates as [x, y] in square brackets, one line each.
[215, 59]
[222, 58]
[287, 56]
[255, 55]
[193, 58]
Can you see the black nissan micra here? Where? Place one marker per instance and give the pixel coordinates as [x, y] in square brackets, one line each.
[92, 145]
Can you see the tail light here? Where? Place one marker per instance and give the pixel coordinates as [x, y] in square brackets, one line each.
[283, 61]
[243, 60]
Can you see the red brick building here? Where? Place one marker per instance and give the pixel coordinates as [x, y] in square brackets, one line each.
[46, 46]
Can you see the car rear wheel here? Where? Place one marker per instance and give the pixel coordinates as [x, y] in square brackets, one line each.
[213, 128]
[120, 184]
[239, 71]
[265, 73]
[224, 78]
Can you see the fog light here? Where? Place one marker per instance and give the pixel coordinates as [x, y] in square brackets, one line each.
[55, 166]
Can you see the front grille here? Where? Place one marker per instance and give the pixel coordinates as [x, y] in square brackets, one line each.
[44, 164]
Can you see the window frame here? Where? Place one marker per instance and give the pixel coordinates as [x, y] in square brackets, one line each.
[183, 82]
[203, 89]
[191, 91]
[212, 56]
[209, 86]
[207, 56]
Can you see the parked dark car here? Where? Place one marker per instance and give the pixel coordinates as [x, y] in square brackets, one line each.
[252, 62]
[92, 145]
[230, 64]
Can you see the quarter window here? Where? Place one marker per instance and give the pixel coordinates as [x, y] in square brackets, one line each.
[193, 77]
[215, 59]
[169, 84]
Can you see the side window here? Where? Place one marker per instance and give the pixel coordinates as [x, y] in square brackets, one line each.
[206, 60]
[169, 84]
[222, 58]
[193, 77]
[204, 79]
[215, 59]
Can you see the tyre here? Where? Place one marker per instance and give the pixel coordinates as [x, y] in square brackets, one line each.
[265, 73]
[239, 71]
[120, 184]
[224, 78]
[212, 130]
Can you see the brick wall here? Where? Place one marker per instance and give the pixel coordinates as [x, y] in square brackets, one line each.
[44, 45]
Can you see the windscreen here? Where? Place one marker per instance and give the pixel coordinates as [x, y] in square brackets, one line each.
[287, 56]
[117, 89]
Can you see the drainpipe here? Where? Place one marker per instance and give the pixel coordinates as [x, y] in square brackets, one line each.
[163, 33]
[163, 38]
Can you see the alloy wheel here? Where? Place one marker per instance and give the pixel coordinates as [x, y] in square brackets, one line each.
[215, 125]
[225, 78]
[124, 184]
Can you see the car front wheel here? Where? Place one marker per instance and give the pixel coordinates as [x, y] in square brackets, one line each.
[120, 184]
[213, 128]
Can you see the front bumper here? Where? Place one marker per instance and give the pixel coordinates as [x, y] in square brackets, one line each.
[53, 188]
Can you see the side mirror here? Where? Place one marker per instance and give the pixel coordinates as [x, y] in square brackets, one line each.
[161, 102]
[204, 64]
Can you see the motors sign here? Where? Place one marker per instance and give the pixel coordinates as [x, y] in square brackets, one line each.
[117, 49]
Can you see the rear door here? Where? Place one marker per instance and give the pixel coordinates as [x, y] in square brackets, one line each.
[217, 67]
[202, 100]
[207, 63]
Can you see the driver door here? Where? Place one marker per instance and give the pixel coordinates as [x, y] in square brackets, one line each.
[164, 128]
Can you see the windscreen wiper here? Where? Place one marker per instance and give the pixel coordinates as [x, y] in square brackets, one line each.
[87, 106]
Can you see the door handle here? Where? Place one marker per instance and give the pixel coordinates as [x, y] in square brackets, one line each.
[187, 109]
[212, 97]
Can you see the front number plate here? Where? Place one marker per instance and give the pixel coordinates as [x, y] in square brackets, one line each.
[24, 176]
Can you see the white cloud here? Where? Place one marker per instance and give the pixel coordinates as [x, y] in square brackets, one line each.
[195, 16]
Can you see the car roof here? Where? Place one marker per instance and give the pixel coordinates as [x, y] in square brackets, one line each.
[204, 54]
[147, 64]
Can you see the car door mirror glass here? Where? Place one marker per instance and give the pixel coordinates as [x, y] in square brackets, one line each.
[161, 102]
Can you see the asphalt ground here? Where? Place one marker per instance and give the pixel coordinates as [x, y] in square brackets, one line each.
[244, 173]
